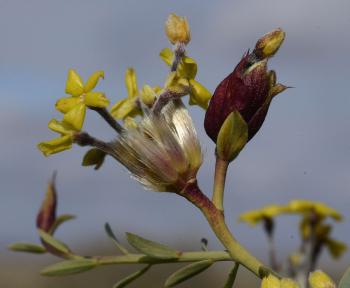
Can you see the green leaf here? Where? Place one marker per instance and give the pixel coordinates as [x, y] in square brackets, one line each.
[187, 272]
[111, 235]
[127, 280]
[27, 247]
[69, 267]
[60, 220]
[53, 242]
[151, 248]
[232, 276]
[232, 137]
[94, 157]
[345, 279]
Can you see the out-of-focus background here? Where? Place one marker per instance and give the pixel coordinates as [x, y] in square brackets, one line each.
[302, 151]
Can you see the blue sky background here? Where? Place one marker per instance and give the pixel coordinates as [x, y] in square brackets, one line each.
[302, 151]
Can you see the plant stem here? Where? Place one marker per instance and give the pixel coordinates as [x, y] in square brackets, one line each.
[103, 112]
[219, 183]
[184, 257]
[216, 220]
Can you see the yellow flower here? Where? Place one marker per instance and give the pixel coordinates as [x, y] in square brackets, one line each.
[336, 248]
[273, 282]
[321, 209]
[64, 142]
[131, 106]
[185, 73]
[163, 152]
[253, 217]
[319, 279]
[74, 106]
[177, 29]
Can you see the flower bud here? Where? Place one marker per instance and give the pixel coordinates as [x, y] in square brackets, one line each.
[177, 29]
[47, 213]
[249, 90]
[268, 45]
[232, 137]
[319, 279]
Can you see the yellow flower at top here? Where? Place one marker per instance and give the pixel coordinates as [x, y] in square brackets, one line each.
[131, 106]
[177, 29]
[273, 282]
[321, 209]
[253, 217]
[184, 77]
[81, 97]
[319, 279]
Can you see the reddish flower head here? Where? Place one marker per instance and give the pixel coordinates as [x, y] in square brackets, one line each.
[249, 89]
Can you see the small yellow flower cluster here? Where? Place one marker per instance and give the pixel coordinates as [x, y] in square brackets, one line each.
[273, 282]
[313, 215]
[74, 109]
[317, 279]
[131, 106]
[183, 79]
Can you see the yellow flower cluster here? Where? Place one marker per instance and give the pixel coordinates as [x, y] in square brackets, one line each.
[183, 79]
[273, 282]
[305, 208]
[74, 109]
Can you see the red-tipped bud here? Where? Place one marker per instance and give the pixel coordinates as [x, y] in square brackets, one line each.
[47, 213]
[248, 90]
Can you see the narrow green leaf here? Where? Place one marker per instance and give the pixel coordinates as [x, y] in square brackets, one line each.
[187, 272]
[151, 248]
[53, 242]
[232, 276]
[27, 247]
[69, 267]
[127, 280]
[345, 279]
[111, 235]
[60, 220]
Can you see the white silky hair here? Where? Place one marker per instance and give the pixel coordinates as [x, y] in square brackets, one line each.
[163, 153]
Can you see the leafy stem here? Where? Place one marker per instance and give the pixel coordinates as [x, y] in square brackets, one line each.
[215, 218]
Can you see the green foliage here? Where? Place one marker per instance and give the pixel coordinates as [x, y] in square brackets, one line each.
[69, 267]
[27, 247]
[187, 272]
[150, 248]
[127, 280]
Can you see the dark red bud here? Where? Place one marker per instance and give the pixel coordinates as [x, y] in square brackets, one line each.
[47, 213]
[245, 90]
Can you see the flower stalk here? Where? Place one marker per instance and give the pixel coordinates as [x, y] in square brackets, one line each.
[219, 183]
[215, 218]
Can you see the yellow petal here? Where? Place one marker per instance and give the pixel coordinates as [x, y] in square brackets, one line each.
[74, 84]
[199, 94]
[336, 248]
[124, 108]
[76, 116]
[60, 127]
[270, 282]
[130, 82]
[187, 68]
[319, 279]
[55, 145]
[167, 56]
[93, 80]
[177, 85]
[288, 283]
[147, 95]
[67, 103]
[96, 99]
